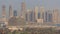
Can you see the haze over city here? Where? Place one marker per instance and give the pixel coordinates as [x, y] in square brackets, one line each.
[30, 4]
[29, 16]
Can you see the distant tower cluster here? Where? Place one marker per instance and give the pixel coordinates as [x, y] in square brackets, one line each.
[37, 15]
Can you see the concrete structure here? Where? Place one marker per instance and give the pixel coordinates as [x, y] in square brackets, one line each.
[40, 20]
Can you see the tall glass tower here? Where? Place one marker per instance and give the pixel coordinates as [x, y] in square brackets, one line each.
[15, 13]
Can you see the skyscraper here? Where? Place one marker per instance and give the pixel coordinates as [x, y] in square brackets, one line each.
[33, 16]
[23, 9]
[45, 17]
[41, 15]
[38, 15]
[41, 12]
[49, 16]
[27, 15]
[15, 13]
[3, 11]
[30, 15]
[36, 12]
[55, 15]
[4, 19]
[10, 11]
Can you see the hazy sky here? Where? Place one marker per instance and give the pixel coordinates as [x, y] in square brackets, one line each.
[30, 4]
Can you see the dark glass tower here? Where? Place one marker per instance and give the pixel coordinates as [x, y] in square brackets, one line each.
[15, 13]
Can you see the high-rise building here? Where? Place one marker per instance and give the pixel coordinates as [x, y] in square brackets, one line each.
[41, 12]
[55, 15]
[38, 15]
[27, 15]
[4, 19]
[31, 16]
[36, 12]
[49, 16]
[15, 13]
[3, 11]
[23, 9]
[45, 17]
[10, 11]
[41, 15]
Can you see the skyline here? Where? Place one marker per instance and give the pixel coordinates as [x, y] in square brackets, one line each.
[30, 4]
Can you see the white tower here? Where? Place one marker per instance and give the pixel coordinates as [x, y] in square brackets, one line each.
[55, 15]
[10, 11]
[41, 12]
[41, 15]
[3, 11]
[4, 15]
[36, 12]
[23, 9]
